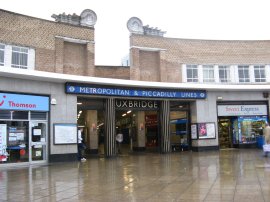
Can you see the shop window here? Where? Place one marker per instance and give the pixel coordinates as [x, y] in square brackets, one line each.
[38, 115]
[22, 115]
[19, 57]
[243, 73]
[224, 74]
[259, 73]
[5, 114]
[2, 53]
[192, 73]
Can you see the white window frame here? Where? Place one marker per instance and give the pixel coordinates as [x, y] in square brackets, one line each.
[227, 70]
[207, 71]
[244, 69]
[22, 52]
[262, 76]
[193, 79]
[2, 51]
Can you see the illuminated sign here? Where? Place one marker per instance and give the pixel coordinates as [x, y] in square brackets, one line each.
[89, 90]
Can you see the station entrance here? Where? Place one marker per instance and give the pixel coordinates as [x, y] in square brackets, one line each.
[141, 123]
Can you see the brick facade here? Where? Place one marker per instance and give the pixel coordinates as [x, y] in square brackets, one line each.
[70, 49]
[176, 52]
[117, 72]
[53, 53]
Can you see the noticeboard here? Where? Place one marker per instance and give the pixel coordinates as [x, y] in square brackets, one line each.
[65, 133]
[206, 131]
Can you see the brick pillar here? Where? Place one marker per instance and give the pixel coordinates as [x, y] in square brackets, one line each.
[162, 66]
[90, 59]
[59, 55]
[134, 64]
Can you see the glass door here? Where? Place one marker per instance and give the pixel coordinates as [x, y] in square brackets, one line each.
[178, 129]
[38, 134]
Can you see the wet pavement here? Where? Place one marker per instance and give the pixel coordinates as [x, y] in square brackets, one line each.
[226, 175]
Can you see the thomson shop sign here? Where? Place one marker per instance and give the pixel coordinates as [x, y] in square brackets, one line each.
[11, 101]
[89, 90]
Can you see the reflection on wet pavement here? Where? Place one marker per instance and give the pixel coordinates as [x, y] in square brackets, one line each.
[227, 175]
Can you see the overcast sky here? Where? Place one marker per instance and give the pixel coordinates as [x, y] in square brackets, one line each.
[192, 19]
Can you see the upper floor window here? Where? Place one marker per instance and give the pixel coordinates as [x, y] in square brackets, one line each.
[224, 74]
[243, 73]
[192, 73]
[208, 73]
[259, 73]
[19, 57]
[2, 53]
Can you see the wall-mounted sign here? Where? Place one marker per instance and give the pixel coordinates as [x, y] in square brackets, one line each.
[136, 104]
[23, 102]
[242, 110]
[93, 90]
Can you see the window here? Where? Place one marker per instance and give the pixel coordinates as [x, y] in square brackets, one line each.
[224, 74]
[259, 73]
[2, 52]
[19, 57]
[243, 72]
[208, 73]
[192, 73]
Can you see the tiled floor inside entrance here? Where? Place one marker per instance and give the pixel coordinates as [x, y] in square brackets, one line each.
[226, 175]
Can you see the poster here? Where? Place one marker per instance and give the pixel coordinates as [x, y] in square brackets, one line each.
[194, 132]
[206, 130]
[37, 131]
[202, 130]
[3, 138]
[211, 133]
[65, 133]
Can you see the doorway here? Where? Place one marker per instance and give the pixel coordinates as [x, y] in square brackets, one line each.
[139, 129]
[225, 133]
[38, 141]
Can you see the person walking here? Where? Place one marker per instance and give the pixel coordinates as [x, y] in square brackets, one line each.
[119, 140]
[81, 146]
[266, 133]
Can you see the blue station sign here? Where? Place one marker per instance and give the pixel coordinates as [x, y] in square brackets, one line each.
[125, 92]
[10, 101]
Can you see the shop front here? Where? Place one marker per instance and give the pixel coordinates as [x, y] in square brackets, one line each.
[23, 128]
[240, 125]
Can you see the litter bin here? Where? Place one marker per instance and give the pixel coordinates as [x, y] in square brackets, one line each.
[260, 141]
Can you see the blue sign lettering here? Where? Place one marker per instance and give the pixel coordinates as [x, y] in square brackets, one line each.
[78, 89]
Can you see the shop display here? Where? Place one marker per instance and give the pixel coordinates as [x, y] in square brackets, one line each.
[250, 128]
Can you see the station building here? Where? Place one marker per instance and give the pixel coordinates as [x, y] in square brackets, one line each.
[176, 95]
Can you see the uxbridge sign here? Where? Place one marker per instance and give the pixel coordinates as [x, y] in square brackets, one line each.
[127, 92]
[136, 104]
